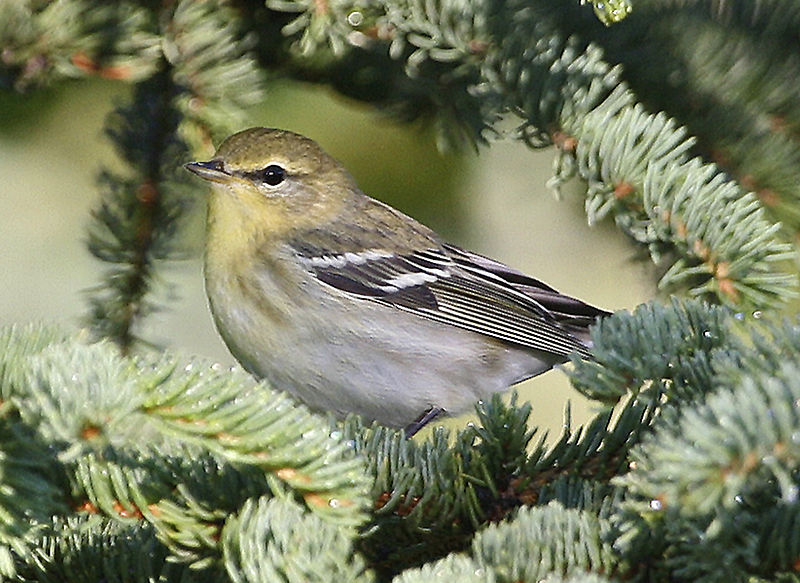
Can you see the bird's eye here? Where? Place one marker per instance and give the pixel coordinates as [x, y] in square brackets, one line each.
[273, 174]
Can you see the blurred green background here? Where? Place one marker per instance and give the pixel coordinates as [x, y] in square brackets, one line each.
[494, 202]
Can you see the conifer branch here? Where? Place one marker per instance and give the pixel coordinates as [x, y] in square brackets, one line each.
[738, 471]
[206, 468]
[431, 497]
[660, 349]
[733, 74]
[204, 82]
[133, 227]
[149, 440]
[43, 42]
[538, 538]
[274, 540]
[549, 543]
[90, 548]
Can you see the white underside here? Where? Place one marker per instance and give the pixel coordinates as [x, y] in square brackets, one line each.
[343, 354]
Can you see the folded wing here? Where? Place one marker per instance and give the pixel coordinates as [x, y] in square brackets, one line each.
[459, 288]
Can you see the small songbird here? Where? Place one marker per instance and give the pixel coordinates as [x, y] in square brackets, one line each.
[352, 306]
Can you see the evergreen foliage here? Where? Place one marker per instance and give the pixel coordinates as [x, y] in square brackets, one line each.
[155, 468]
[180, 445]
[119, 464]
[288, 545]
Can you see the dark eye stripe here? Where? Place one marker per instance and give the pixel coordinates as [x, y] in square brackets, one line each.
[272, 175]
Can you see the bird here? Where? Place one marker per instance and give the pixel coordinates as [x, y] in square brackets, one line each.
[354, 307]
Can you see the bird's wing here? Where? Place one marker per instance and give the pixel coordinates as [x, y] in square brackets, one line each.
[454, 287]
[572, 313]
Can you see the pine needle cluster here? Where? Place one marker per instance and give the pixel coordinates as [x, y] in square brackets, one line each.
[158, 468]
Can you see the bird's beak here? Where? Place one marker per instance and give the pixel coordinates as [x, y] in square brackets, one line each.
[213, 170]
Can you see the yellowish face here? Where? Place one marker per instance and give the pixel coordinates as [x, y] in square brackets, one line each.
[266, 181]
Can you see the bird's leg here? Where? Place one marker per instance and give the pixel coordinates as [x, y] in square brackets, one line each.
[428, 416]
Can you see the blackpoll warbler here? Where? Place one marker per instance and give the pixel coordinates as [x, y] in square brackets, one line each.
[353, 306]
